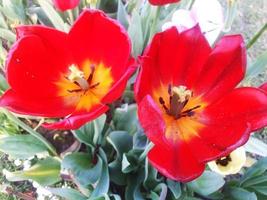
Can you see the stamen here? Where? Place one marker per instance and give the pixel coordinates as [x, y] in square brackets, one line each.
[162, 102]
[90, 78]
[224, 161]
[77, 77]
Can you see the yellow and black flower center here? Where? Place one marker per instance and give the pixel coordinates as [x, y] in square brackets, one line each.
[178, 99]
[224, 161]
[85, 86]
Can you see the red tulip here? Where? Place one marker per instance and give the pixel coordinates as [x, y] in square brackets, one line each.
[188, 104]
[162, 2]
[64, 5]
[72, 75]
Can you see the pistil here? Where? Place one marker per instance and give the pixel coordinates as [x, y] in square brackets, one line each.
[77, 77]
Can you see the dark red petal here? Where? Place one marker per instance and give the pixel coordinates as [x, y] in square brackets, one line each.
[36, 61]
[66, 4]
[172, 58]
[76, 120]
[224, 69]
[177, 162]
[98, 38]
[162, 2]
[50, 107]
[151, 120]
[117, 89]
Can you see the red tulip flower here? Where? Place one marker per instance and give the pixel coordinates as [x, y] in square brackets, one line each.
[73, 75]
[162, 2]
[188, 104]
[64, 5]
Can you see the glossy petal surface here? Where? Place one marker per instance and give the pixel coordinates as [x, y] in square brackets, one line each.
[64, 5]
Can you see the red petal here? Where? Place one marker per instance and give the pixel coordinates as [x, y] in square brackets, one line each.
[118, 88]
[99, 38]
[177, 162]
[50, 107]
[229, 122]
[224, 69]
[151, 120]
[36, 60]
[172, 58]
[162, 2]
[76, 120]
[66, 4]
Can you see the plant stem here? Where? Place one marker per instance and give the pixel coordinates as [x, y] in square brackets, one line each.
[256, 36]
[32, 132]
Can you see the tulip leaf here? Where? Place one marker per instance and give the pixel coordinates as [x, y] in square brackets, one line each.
[208, 183]
[103, 183]
[175, 188]
[256, 170]
[81, 166]
[7, 35]
[122, 142]
[133, 185]
[125, 119]
[67, 193]
[241, 194]
[256, 146]
[45, 172]
[136, 33]
[122, 14]
[14, 10]
[258, 66]
[52, 14]
[22, 146]
[261, 189]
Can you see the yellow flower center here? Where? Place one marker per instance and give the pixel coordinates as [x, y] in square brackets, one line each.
[180, 111]
[85, 86]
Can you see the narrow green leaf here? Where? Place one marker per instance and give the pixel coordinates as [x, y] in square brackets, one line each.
[261, 189]
[258, 66]
[22, 146]
[7, 35]
[256, 146]
[52, 14]
[45, 172]
[175, 188]
[122, 14]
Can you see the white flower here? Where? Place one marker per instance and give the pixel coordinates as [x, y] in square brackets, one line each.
[230, 164]
[207, 13]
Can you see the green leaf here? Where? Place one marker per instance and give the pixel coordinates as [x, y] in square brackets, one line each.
[45, 172]
[80, 164]
[7, 35]
[133, 186]
[256, 146]
[122, 14]
[90, 132]
[256, 170]
[175, 188]
[208, 183]
[22, 146]
[122, 142]
[125, 119]
[52, 14]
[262, 179]
[241, 194]
[67, 193]
[14, 10]
[136, 33]
[258, 66]
[261, 189]
[103, 183]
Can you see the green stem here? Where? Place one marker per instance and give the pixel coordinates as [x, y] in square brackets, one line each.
[31, 131]
[256, 36]
[145, 152]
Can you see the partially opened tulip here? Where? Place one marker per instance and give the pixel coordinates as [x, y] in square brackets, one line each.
[72, 75]
[188, 103]
[208, 15]
[64, 5]
[162, 2]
